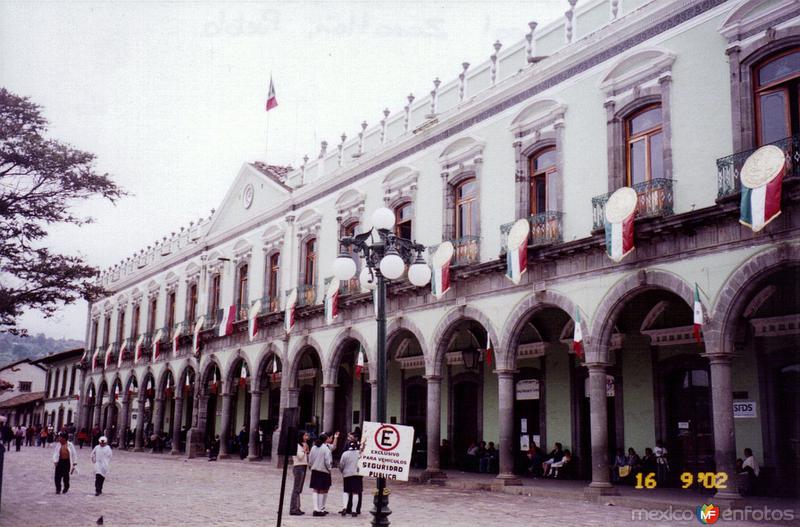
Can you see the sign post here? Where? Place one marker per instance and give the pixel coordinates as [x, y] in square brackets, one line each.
[386, 451]
[285, 443]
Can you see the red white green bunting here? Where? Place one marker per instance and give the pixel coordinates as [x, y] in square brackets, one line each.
[252, 320]
[489, 350]
[332, 302]
[698, 315]
[517, 250]
[440, 279]
[196, 335]
[619, 214]
[137, 350]
[109, 353]
[577, 336]
[762, 178]
[288, 315]
[157, 344]
[360, 362]
[122, 349]
[226, 325]
[95, 355]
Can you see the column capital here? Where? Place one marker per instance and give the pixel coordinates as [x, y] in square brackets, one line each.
[329, 386]
[505, 372]
[598, 367]
[718, 358]
[433, 379]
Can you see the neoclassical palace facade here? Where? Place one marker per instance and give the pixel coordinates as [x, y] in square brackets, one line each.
[668, 97]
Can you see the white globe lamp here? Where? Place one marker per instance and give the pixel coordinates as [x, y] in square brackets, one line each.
[344, 268]
[383, 219]
[392, 266]
[366, 279]
[419, 273]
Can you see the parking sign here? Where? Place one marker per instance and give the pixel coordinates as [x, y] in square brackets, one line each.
[386, 451]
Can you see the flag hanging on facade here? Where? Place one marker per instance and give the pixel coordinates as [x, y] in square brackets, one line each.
[517, 250]
[213, 387]
[360, 362]
[243, 377]
[186, 386]
[272, 100]
[577, 336]
[489, 350]
[619, 214]
[122, 349]
[196, 335]
[274, 369]
[94, 359]
[252, 320]
[698, 315]
[332, 302]
[137, 350]
[226, 325]
[176, 337]
[440, 282]
[157, 344]
[288, 314]
[762, 178]
[109, 353]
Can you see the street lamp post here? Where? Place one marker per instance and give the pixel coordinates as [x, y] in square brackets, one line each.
[386, 257]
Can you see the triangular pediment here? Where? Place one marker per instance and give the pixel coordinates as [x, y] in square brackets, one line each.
[255, 190]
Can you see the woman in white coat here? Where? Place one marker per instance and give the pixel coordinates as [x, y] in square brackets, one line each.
[101, 457]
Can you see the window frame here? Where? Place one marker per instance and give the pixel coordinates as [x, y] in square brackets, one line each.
[135, 319]
[398, 222]
[473, 201]
[214, 289]
[106, 330]
[191, 302]
[548, 172]
[645, 136]
[310, 261]
[172, 300]
[120, 326]
[785, 85]
[272, 279]
[151, 316]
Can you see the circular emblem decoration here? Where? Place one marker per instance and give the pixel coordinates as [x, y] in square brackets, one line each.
[247, 196]
[763, 166]
[443, 254]
[620, 205]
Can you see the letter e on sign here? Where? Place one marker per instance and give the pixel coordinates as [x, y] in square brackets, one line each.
[387, 438]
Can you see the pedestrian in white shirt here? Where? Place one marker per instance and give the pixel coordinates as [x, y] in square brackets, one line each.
[101, 457]
[65, 460]
[300, 463]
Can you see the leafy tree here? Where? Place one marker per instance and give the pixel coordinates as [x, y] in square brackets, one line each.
[40, 178]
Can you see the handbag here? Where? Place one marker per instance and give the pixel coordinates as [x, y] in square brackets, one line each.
[625, 471]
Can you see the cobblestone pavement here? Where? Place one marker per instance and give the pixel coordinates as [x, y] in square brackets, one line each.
[162, 490]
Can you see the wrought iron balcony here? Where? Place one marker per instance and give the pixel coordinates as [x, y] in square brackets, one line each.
[306, 295]
[350, 287]
[242, 311]
[269, 304]
[729, 168]
[213, 318]
[546, 229]
[654, 199]
[467, 250]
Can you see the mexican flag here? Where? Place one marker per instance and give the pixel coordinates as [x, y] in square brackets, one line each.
[288, 314]
[109, 353]
[440, 283]
[619, 238]
[196, 335]
[761, 205]
[272, 100]
[577, 336]
[517, 261]
[122, 348]
[698, 315]
[157, 344]
[95, 355]
[331, 307]
[489, 350]
[226, 325]
[252, 320]
[137, 350]
[176, 336]
[360, 363]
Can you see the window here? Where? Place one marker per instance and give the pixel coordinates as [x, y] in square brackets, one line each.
[72, 381]
[273, 268]
[55, 384]
[777, 97]
[309, 276]
[467, 208]
[191, 303]
[135, 321]
[95, 329]
[214, 300]
[241, 289]
[542, 172]
[64, 383]
[120, 327]
[106, 330]
[644, 146]
[151, 317]
[171, 310]
[402, 220]
[24, 386]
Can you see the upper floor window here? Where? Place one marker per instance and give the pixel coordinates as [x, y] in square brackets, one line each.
[72, 381]
[191, 303]
[64, 383]
[171, 309]
[137, 310]
[309, 276]
[777, 97]
[403, 214]
[95, 329]
[241, 285]
[467, 212]
[24, 386]
[121, 326]
[273, 268]
[214, 294]
[151, 316]
[542, 172]
[106, 330]
[644, 145]
[54, 392]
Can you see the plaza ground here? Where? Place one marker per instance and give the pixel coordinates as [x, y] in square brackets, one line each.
[161, 490]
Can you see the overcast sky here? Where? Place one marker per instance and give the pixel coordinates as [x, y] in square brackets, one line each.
[170, 95]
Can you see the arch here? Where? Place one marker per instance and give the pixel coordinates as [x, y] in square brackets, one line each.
[393, 330]
[308, 218]
[615, 299]
[296, 355]
[146, 378]
[445, 328]
[263, 360]
[233, 361]
[162, 381]
[737, 291]
[537, 114]
[206, 372]
[635, 67]
[752, 14]
[182, 373]
[102, 389]
[132, 380]
[519, 316]
[91, 391]
[330, 369]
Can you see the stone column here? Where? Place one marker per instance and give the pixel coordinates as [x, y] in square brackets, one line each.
[722, 410]
[84, 416]
[255, 415]
[433, 414]
[176, 425]
[598, 424]
[373, 399]
[137, 446]
[225, 426]
[505, 418]
[196, 436]
[122, 424]
[328, 407]
[98, 414]
[158, 416]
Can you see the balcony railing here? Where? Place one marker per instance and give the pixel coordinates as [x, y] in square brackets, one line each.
[350, 287]
[654, 199]
[269, 304]
[467, 250]
[545, 230]
[306, 295]
[729, 168]
[213, 318]
[242, 311]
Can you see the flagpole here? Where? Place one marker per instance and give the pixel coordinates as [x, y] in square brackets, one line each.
[266, 150]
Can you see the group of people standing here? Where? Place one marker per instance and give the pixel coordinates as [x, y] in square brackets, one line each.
[32, 435]
[319, 459]
[65, 459]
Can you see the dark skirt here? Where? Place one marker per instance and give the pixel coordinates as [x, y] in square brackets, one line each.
[354, 484]
[320, 480]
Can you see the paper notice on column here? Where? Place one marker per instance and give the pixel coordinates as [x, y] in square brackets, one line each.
[386, 451]
[524, 442]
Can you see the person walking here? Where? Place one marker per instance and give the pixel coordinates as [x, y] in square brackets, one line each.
[300, 466]
[6, 435]
[242, 443]
[320, 459]
[65, 460]
[19, 435]
[29, 433]
[353, 482]
[101, 457]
